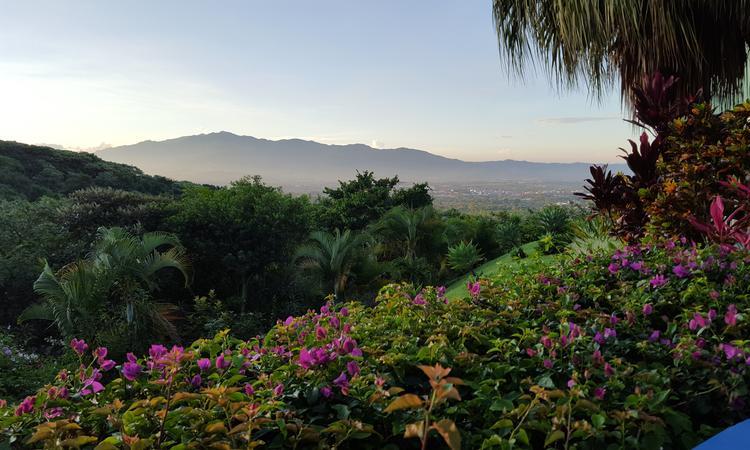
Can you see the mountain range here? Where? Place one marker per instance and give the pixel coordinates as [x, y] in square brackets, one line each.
[219, 158]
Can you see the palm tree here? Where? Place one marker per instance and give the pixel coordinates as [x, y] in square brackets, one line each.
[333, 256]
[121, 272]
[703, 42]
[403, 225]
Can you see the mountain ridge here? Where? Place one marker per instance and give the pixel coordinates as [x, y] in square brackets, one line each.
[221, 157]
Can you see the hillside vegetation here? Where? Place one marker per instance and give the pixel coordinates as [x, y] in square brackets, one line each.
[30, 171]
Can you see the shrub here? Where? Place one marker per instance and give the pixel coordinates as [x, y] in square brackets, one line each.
[641, 348]
[463, 256]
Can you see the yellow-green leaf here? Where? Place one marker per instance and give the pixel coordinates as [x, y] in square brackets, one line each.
[554, 437]
[414, 430]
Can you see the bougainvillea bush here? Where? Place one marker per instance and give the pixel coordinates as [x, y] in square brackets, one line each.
[646, 347]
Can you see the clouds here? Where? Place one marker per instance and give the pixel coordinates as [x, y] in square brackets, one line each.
[575, 120]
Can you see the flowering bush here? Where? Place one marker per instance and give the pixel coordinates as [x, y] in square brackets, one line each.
[643, 348]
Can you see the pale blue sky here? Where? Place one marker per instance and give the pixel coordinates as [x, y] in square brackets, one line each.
[422, 74]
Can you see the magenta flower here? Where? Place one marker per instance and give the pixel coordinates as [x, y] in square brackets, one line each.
[344, 311]
[546, 341]
[106, 365]
[680, 271]
[222, 363]
[697, 322]
[196, 381]
[597, 357]
[730, 318]
[599, 338]
[289, 320]
[547, 363]
[131, 370]
[100, 352]
[278, 390]
[600, 392]
[157, 351]
[636, 266]
[571, 383]
[79, 346]
[52, 413]
[326, 391]
[608, 370]
[658, 281]
[419, 300]
[306, 359]
[26, 406]
[320, 333]
[655, 335]
[609, 333]
[342, 382]
[353, 368]
[474, 288]
[613, 319]
[335, 322]
[249, 389]
[613, 268]
[647, 309]
[730, 351]
[91, 385]
[441, 291]
[325, 309]
[204, 364]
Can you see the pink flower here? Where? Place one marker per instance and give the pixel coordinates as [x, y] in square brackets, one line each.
[711, 314]
[278, 390]
[249, 389]
[597, 358]
[289, 320]
[609, 333]
[326, 391]
[306, 359]
[546, 341]
[647, 309]
[344, 311]
[600, 392]
[730, 318]
[196, 381]
[441, 291]
[320, 333]
[91, 385]
[571, 383]
[100, 352]
[335, 322]
[547, 363]
[599, 338]
[655, 335]
[79, 346]
[613, 268]
[697, 322]
[613, 319]
[204, 364]
[157, 351]
[419, 300]
[531, 352]
[608, 370]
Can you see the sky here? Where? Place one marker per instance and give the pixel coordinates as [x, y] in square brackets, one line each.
[422, 74]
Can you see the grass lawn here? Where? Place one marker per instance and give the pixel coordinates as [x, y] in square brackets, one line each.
[489, 269]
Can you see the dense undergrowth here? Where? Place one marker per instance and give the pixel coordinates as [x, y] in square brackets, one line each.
[642, 348]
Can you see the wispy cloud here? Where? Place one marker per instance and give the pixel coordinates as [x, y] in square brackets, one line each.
[574, 120]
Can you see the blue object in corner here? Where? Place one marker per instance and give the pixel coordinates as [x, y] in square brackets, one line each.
[736, 437]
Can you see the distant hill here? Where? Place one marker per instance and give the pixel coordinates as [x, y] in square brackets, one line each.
[219, 158]
[30, 171]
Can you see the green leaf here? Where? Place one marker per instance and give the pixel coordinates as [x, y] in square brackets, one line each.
[554, 437]
[341, 410]
[598, 420]
[546, 382]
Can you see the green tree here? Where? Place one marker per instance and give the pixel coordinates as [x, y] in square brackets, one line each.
[597, 42]
[242, 240]
[333, 256]
[357, 203]
[463, 256]
[401, 227]
[114, 283]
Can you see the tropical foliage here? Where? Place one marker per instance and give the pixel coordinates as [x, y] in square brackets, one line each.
[595, 43]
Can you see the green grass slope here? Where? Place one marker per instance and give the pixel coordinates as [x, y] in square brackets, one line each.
[490, 269]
